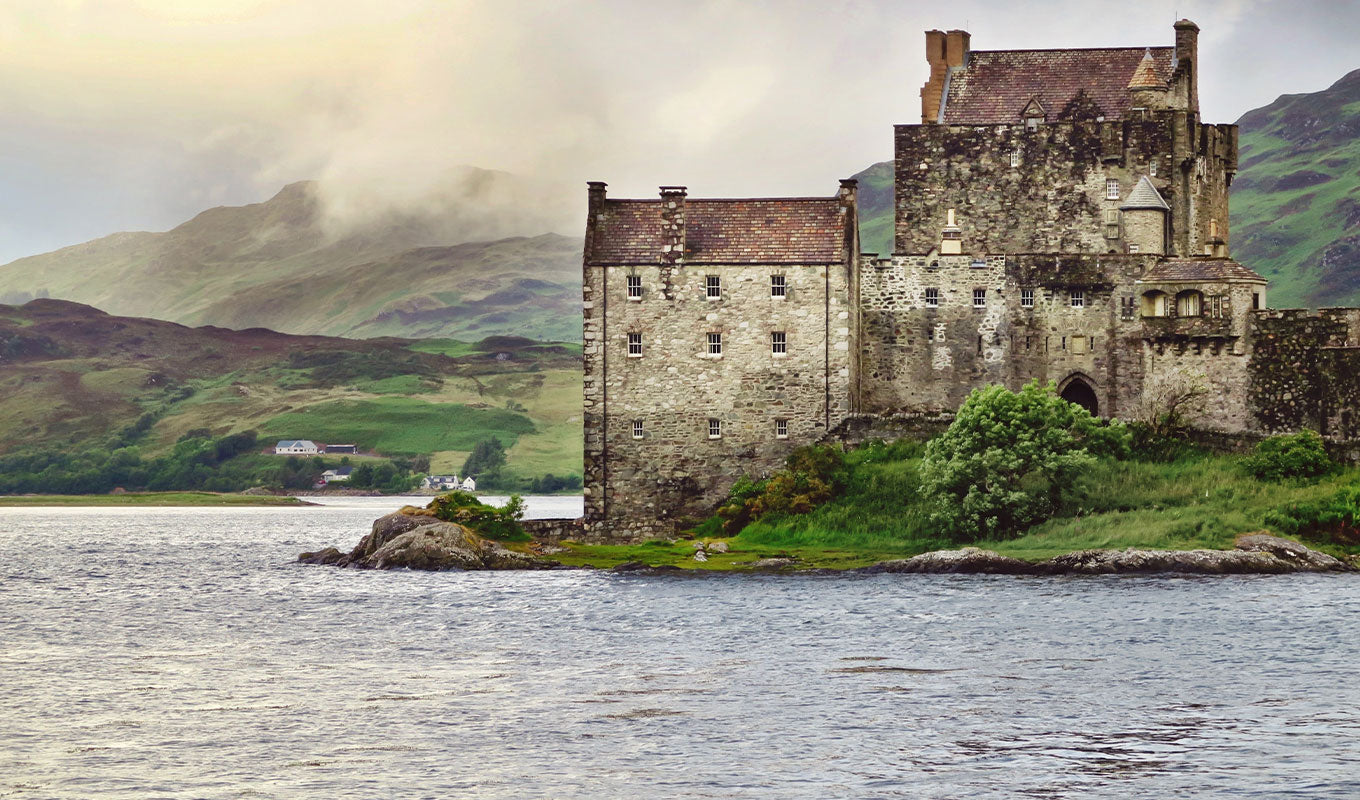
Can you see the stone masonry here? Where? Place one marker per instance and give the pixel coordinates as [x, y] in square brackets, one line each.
[1060, 215]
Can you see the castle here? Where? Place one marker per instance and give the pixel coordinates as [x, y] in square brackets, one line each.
[1059, 215]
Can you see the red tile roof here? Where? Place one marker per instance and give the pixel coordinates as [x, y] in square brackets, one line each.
[1197, 270]
[996, 85]
[759, 231]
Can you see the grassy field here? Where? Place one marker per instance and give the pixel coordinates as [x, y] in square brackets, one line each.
[150, 499]
[1201, 501]
[399, 424]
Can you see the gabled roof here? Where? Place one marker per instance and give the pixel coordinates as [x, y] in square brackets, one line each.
[1200, 270]
[294, 443]
[995, 86]
[785, 230]
[1144, 195]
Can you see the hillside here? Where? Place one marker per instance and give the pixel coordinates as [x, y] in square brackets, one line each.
[71, 376]
[1295, 200]
[447, 268]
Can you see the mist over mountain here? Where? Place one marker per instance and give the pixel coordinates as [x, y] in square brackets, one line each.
[468, 256]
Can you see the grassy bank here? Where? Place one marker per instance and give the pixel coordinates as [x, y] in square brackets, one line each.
[1198, 501]
[150, 499]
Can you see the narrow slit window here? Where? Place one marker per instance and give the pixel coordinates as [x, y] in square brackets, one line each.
[713, 287]
[634, 287]
[778, 286]
[635, 345]
[1027, 298]
[1078, 298]
[932, 297]
[637, 429]
[779, 343]
[714, 428]
[781, 429]
[979, 298]
[715, 344]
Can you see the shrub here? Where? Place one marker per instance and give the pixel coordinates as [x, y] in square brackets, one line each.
[1290, 456]
[494, 523]
[1009, 458]
[811, 476]
[1334, 520]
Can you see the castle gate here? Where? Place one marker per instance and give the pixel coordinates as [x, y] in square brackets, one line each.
[1077, 389]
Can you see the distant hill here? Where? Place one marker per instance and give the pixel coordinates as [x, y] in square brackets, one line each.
[72, 376]
[445, 268]
[1295, 200]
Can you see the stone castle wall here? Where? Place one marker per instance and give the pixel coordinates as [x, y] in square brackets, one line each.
[675, 471]
[1305, 371]
[1016, 190]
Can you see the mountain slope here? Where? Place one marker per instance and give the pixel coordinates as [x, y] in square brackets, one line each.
[1296, 198]
[290, 264]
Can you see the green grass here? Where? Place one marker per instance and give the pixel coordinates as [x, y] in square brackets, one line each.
[1199, 502]
[398, 425]
[400, 385]
[149, 499]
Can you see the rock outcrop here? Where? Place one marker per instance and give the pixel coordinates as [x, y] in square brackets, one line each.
[1255, 553]
[415, 541]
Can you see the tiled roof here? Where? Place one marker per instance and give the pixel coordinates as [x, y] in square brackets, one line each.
[1146, 77]
[1192, 270]
[996, 85]
[763, 231]
[1144, 195]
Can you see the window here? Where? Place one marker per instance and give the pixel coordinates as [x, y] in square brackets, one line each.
[714, 428]
[1155, 304]
[1126, 307]
[1189, 303]
[634, 287]
[781, 429]
[1111, 223]
[978, 263]
[715, 344]
[932, 297]
[934, 265]
[979, 298]
[1152, 168]
[1256, 301]
[634, 345]
[1111, 189]
[713, 287]
[1031, 123]
[1027, 298]
[778, 286]
[1078, 298]
[637, 429]
[779, 343]
[1015, 158]
[1133, 248]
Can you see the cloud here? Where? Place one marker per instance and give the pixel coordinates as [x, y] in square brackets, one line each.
[139, 113]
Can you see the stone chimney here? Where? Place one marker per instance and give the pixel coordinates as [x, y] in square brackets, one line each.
[943, 50]
[672, 224]
[1187, 60]
[849, 192]
[595, 191]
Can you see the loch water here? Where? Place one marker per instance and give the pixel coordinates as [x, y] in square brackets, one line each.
[181, 653]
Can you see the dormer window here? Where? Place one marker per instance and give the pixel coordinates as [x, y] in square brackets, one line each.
[1033, 114]
[1031, 123]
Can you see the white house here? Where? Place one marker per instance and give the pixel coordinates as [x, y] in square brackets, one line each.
[469, 485]
[336, 475]
[440, 482]
[296, 447]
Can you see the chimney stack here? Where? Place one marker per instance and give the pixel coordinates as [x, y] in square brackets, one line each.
[943, 50]
[673, 224]
[595, 191]
[1187, 59]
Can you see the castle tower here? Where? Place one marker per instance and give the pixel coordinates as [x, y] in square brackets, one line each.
[1144, 217]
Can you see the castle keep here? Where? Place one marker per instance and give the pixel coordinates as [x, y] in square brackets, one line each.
[1058, 214]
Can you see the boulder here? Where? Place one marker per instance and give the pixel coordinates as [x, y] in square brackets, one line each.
[387, 528]
[1306, 560]
[718, 547]
[969, 560]
[330, 555]
[447, 545]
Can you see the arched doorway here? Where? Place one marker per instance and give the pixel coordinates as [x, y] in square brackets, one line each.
[1077, 390]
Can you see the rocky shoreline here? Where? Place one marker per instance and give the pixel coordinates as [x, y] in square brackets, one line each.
[406, 540]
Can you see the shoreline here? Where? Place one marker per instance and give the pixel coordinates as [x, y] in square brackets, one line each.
[150, 500]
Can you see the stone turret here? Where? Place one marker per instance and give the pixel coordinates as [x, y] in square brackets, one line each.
[1146, 90]
[1144, 216]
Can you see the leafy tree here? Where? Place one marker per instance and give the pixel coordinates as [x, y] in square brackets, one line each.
[494, 523]
[1009, 458]
[486, 459]
[1299, 455]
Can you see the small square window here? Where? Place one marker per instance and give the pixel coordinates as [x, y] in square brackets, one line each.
[781, 429]
[779, 343]
[714, 428]
[1133, 248]
[1031, 123]
[713, 287]
[1027, 298]
[634, 287]
[1078, 298]
[1111, 189]
[932, 297]
[637, 429]
[778, 286]
[715, 344]
[635, 345]
[979, 298]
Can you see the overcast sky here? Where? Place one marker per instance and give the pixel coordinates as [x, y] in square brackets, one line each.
[137, 114]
